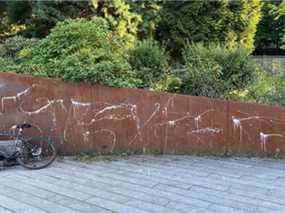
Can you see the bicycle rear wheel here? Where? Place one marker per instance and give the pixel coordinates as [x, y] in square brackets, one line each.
[37, 153]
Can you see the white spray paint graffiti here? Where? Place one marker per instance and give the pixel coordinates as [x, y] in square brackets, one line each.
[80, 104]
[153, 114]
[237, 124]
[207, 130]
[86, 115]
[115, 116]
[196, 119]
[85, 136]
[109, 112]
[14, 98]
[113, 134]
[264, 139]
[43, 108]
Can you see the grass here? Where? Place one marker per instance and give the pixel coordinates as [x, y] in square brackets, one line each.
[89, 157]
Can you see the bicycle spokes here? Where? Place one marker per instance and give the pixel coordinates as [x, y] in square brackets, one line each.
[37, 153]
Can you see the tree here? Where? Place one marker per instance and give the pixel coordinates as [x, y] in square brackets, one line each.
[149, 12]
[209, 21]
[40, 16]
[7, 29]
[271, 29]
[123, 21]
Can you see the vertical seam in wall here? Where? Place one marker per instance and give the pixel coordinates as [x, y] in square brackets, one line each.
[227, 126]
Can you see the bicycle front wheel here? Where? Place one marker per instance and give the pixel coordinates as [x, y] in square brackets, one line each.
[37, 153]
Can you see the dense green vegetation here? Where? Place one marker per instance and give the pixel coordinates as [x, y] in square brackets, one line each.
[232, 23]
[190, 47]
[211, 70]
[271, 29]
[149, 61]
[79, 50]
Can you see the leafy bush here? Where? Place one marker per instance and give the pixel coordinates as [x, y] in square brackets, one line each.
[7, 65]
[11, 46]
[169, 82]
[238, 69]
[202, 74]
[211, 71]
[149, 60]
[267, 88]
[214, 71]
[80, 50]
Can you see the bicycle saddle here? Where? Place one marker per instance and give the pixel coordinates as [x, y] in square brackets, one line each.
[22, 126]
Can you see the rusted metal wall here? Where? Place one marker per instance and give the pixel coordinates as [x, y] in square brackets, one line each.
[81, 117]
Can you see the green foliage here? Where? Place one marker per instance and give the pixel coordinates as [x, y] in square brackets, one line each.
[6, 28]
[40, 16]
[250, 16]
[18, 11]
[271, 29]
[149, 60]
[149, 12]
[169, 82]
[267, 88]
[211, 71]
[281, 9]
[120, 17]
[106, 50]
[238, 69]
[202, 73]
[80, 50]
[209, 21]
[231, 69]
[7, 65]
[11, 46]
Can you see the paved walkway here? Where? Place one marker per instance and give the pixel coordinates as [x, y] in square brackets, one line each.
[165, 184]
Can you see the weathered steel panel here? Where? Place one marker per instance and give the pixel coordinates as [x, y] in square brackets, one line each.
[258, 129]
[84, 118]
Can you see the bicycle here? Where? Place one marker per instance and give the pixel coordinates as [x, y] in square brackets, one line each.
[31, 153]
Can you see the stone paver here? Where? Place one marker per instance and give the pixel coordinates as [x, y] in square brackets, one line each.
[147, 184]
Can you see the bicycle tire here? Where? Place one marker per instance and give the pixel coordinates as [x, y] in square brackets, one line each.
[49, 162]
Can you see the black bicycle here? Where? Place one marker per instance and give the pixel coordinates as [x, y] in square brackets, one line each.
[29, 152]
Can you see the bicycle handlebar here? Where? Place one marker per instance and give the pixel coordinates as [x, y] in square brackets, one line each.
[23, 126]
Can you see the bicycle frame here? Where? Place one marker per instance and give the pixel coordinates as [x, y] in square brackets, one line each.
[24, 151]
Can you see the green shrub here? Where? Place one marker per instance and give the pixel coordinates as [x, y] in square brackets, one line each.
[238, 69]
[80, 50]
[202, 74]
[278, 94]
[149, 60]
[267, 88]
[7, 65]
[169, 83]
[214, 71]
[11, 46]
